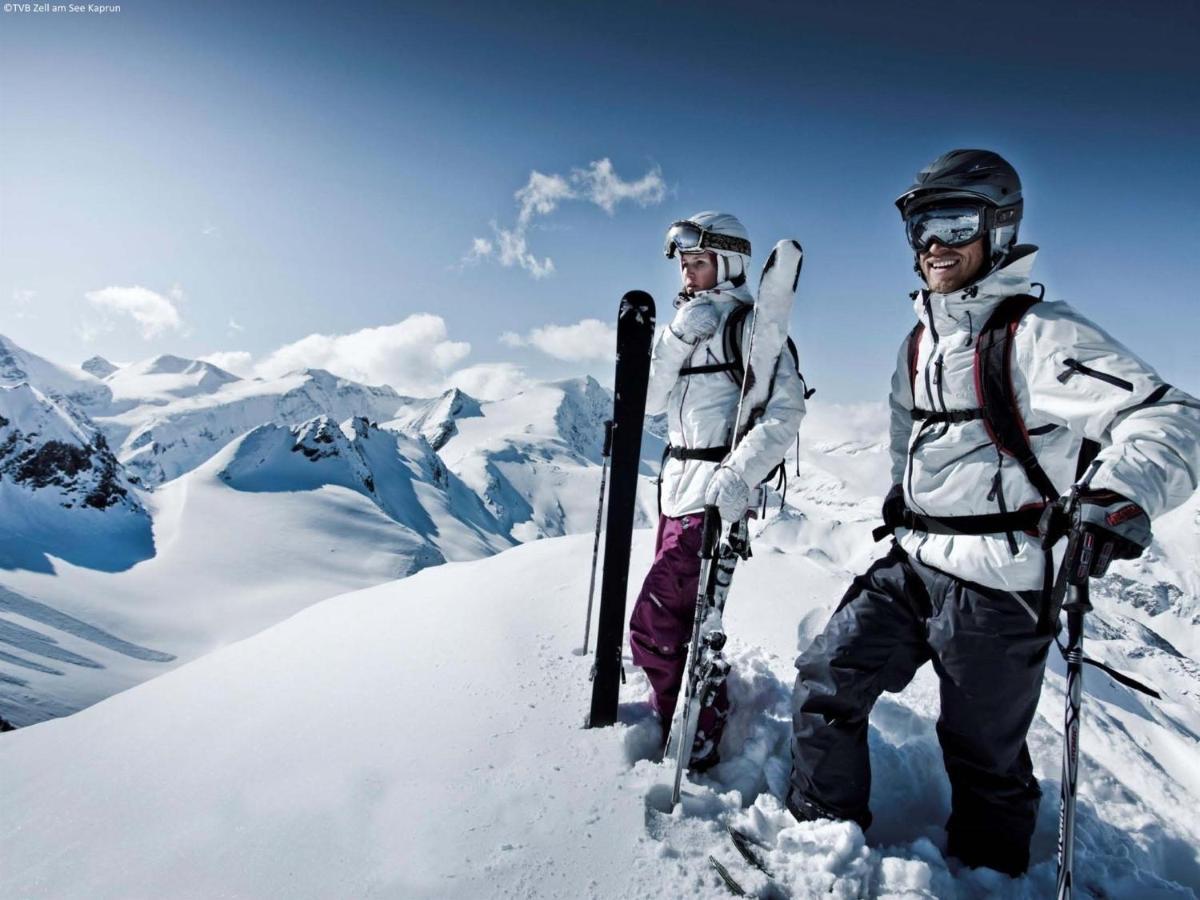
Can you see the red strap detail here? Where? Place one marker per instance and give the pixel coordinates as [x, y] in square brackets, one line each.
[1124, 514]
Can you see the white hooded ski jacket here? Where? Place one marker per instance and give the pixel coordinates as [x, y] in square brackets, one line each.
[1149, 432]
[701, 408]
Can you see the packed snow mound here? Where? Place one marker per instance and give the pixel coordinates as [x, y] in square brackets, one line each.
[160, 380]
[161, 441]
[62, 492]
[98, 366]
[436, 419]
[423, 739]
[535, 458]
[75, 386]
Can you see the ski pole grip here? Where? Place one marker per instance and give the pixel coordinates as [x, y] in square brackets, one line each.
[608, 433]
[710, 533]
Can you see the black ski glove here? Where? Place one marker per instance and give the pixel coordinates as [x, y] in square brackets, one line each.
[894, 506]
[1106, 526]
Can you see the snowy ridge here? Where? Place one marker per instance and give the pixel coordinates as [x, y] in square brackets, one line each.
[19, 366]
[283, 773]
[167, 434]
[402, 476]
[160, 380]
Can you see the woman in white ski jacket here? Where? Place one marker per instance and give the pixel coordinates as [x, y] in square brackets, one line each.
[692, 380]
[994, 399]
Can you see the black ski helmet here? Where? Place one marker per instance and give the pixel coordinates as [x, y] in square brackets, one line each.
[973, 175]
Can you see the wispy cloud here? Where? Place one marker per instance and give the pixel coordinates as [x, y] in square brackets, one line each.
[23, 303]
[597, 183]
[588, 339]
[153, 312]
[234, 325]
[490, 381]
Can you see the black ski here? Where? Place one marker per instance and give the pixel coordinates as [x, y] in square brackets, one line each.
[635, 331]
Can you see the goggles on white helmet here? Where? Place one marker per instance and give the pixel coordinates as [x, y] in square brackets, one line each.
[688, 237]
[955, 225]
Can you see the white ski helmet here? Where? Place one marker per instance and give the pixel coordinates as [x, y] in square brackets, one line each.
[720, 232]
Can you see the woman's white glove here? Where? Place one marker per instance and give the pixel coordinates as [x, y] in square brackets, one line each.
[696, 321]
[729, 493]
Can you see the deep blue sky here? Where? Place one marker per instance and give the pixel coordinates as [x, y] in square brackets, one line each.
[342, 156]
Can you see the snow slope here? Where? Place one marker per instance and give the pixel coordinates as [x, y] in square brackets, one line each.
[422, 739]
[278, 520]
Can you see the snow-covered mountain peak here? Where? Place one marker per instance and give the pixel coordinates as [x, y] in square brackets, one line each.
[43, 447]
[62, 491]
[98, 366]
[436, 419]
[161, 379]
[18, 365]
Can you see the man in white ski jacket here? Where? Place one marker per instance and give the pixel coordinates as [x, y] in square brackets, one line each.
[994, 400]
[693, 380]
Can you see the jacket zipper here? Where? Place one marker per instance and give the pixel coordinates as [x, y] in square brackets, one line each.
[1074, 365]
[937, 379]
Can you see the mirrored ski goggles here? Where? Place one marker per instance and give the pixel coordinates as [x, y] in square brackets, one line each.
[688, 237]
[955, 226]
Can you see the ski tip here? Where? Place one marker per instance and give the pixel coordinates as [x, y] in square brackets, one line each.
[723, 873]
[638, 300]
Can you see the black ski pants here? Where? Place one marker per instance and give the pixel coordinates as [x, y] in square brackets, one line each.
[989, 655]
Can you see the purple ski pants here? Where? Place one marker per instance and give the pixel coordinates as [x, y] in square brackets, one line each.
[660, 627]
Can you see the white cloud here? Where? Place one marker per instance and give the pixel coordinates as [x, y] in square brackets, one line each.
[602, 186]
[481, 248]
[597, 183]
[152, 312]
[210, 230]
[588, 339]
[413, 356]
[239, 362]
[514, 251]
[512, 339]
[541, 195]
[234, 326]
[490, 381]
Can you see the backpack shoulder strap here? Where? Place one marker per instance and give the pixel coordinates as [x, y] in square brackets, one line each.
[996, 394]
[732, 341]
[912, 348]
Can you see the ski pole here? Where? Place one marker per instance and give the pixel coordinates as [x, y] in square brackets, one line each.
[604, 455]
[1078, 603]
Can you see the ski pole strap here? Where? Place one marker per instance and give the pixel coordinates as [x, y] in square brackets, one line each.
[1026, 519]
[1119, 677]
[606, 451]
[707, 454]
